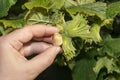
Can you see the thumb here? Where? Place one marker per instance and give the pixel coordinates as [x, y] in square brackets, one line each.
[43, 60]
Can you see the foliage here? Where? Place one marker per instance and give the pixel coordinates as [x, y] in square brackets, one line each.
[5, 5]
[89, 28]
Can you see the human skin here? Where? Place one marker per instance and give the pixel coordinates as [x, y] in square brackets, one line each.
[16, 46]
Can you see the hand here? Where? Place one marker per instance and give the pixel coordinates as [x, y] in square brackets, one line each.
[15, 46]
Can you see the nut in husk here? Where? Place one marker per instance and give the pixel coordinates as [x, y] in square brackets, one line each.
[57, 39]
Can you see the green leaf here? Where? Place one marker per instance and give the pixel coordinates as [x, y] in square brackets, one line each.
[2, 30]
[113, 9]
[47, 4]
[92, 9]
[78, 27]
[12, 23]
[58, 18]
[8, 30]
[111, 78]
[71, 64]
[5, 6]
[105, 36]
[80, 2]
[83, 70]
[37, 16]
[101, 75]
[58, 4]
[107, 63]
[108, 23]
[70, 3]
[112, 47]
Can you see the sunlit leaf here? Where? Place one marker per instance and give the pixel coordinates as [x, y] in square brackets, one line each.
[78, 27]
[70, 3]
[39, 3]
[92, 9]
[80, 2]
[58, 4]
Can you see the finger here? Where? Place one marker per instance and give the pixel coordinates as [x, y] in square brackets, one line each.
[43, 60]
[34, 48]
[48, 39]
[24, 35]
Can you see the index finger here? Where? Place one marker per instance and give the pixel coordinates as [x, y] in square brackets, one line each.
[27, 33]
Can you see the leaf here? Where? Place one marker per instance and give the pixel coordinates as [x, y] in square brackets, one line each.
[78, 27]
[71, 64]
[12, 23]
[8, 30]
[83, 70]
[92, 9]
[80, 2]
[108, 23]
[47, 4]
[105, 36]
[17, 9]
[58, 18]
[113, 9]
[37, 16]
[101, 75]
[5, 6]
[111, 78]
[2, 30]
[70, 3]
[112, 47]
[58, 4]
[107, 63]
